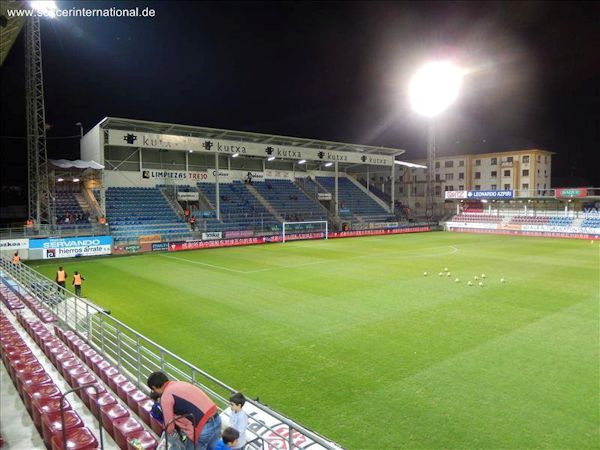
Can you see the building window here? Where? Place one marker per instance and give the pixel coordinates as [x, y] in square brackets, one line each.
[401, 190]
[461, 175]
[437, 164]
[461, 187]
[507, 187]
[494, 187]
[526, 159]
[477, 187]
[438, 191]
[449, 176]
[494, 161]
[545, 159]
[477, 162]
[525, 172]
[437, 177]
[507, 173]
[450, 188]
[525, 185]
[448, 164]
[509, 159]
[477, 175]
[494, 173]
[461, 164]
[539, 158]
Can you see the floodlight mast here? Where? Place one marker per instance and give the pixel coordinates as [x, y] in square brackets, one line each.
[433, 88]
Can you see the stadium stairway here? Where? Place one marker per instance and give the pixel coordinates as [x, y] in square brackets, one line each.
[117, 420]
[264, 201]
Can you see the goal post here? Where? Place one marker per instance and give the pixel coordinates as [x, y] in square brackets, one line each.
[310, 229]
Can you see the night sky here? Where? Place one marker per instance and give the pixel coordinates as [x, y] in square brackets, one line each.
[325, 70]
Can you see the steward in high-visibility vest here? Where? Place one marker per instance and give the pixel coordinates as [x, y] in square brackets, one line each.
[61, 277]
[16, 259]
[77, 279]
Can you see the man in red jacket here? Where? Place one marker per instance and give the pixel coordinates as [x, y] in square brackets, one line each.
[179, 398]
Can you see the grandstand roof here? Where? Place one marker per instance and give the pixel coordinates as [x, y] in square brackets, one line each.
[261, 138]
[10, 31]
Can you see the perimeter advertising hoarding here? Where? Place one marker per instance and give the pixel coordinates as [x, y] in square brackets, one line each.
[570, 193]
[14, 244]
[73, 247]
[195, 245]
[188, 196]
[449, 195]
[212, 235]
[489, 195]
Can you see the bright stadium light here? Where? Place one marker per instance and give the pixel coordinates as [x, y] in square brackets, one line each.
[235, 155]
[271, 158]
[302, 161]
[407, 164]
[60, 179]
[75, 180]
[329, 164]
[47, 8]
[434, 87]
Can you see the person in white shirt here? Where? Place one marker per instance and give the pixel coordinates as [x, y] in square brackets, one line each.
[239, 418]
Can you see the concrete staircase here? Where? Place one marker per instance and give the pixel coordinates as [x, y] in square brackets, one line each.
[264, 202]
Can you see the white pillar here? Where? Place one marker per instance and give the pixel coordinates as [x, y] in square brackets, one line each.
[368, 178]
[393, 192]
[337, 206]
[187, 163]
[217, 195]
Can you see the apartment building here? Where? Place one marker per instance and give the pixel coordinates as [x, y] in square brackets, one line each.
[527, 172]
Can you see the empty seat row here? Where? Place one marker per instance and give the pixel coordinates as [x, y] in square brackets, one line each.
[41, 394]
[32, 303]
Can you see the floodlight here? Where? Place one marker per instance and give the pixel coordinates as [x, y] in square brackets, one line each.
[407, 164]
[329, 164]
[60, 179]
[191, 151]
[434, 87]
[75, 180]
[47, 8]
[235, 155]
[302, 161]
[271, 158]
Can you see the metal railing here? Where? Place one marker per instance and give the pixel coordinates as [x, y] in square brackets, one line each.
[138, 356]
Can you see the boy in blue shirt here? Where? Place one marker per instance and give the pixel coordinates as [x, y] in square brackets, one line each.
[229, 439]
[239, 418]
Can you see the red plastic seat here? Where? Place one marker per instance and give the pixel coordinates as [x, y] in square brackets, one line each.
[77, 439]
[100, 400]
[156, 426]
[144, 408]
[124, 389]
[123, 428]
[52, 425]
[146, 440]
[110, 413]
[108, 373]
[59, 356]
[75, 372]
[93, 360]
[134, 398]
[117, 380]
[26, 378]
[31, 367]
[100, 366]
[33, 391]
[88, 393]
[41, 406]
[66, 364]
[88, 354]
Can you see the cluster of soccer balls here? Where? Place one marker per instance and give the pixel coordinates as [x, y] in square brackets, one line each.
[447, 273]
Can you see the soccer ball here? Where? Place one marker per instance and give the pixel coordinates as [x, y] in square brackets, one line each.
[424, 274]
[483, 275]
[470, 284]
[441, 274]
[445, 269]
[480, 283]
[502, 280]
[448, 274]
[476, 277]
[456, 280]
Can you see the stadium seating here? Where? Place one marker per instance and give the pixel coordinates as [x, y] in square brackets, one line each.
[289, 201]
[69, 213]
[240, 209]
[591, 222]
[355, 202]
[136, 212]
[477, 218]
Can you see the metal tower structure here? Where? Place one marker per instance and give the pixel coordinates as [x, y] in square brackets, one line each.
[40, 196]
[430, 179]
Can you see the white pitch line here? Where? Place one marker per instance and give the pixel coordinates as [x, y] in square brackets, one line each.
[203, 264]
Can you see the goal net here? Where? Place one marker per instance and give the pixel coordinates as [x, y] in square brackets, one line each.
[312, 229]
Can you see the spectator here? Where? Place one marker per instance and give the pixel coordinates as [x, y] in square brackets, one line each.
[77, 280]
[179, 398]
[61, 277]
[239, 418]
[16, 259]
[193, 223]
[230, 439]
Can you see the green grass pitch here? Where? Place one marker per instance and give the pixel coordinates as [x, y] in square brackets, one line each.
[351, 339]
